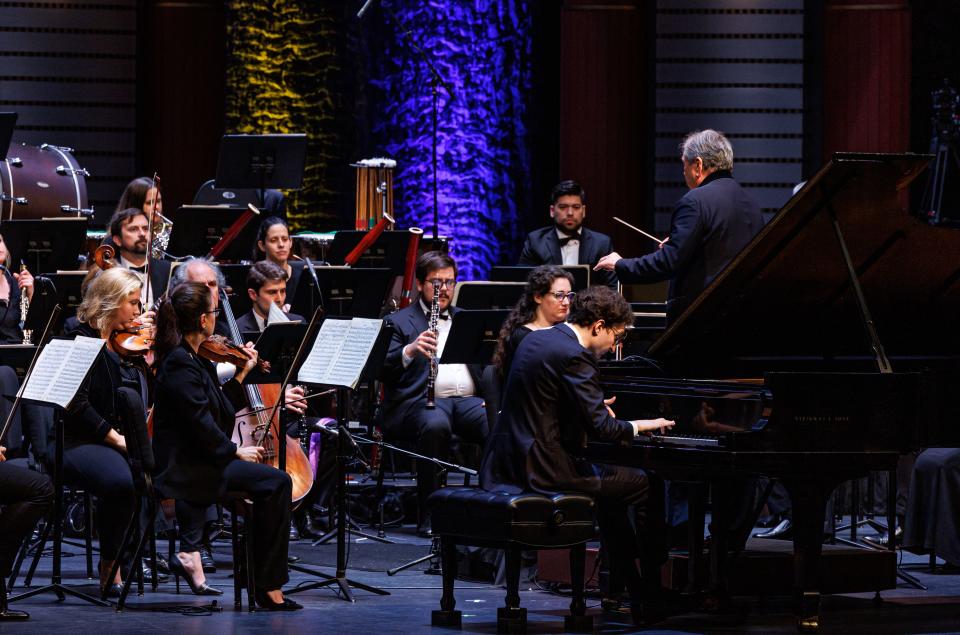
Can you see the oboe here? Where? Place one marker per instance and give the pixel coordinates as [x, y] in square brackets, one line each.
[434, 361]
[24, 309]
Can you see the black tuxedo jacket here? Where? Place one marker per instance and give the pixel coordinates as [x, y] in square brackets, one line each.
[406, 386]
[247, 323]
[193, 423]
[710, 225]
[542, 247]
[552, 405]
[159, 275]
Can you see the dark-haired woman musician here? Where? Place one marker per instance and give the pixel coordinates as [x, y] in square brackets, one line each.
[194, 419]
[275, 245]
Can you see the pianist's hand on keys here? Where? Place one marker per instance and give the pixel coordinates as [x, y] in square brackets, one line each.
[648, 426]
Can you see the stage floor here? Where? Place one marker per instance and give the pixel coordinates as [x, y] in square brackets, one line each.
[414, 594]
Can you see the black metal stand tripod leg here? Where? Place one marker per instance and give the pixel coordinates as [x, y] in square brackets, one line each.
[433, 557]
[340, 578]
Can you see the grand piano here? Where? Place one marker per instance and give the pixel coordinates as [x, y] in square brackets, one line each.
[824, 350]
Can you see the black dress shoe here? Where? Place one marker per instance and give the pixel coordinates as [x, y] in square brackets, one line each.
[783, 531]
[206, 559]
[162, 565]
[294, 533]
[148, 572]
[114, 590]
[883, 540]
[264, 602]
[177, 569]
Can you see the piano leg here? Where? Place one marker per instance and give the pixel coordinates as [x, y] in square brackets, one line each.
[809, 499]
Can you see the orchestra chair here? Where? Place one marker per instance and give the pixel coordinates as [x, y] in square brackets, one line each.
[239, 504]
[512, 522]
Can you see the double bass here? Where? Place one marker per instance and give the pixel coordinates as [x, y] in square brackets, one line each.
[259, 424]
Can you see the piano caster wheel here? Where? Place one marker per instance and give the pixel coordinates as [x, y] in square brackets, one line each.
[808, 624]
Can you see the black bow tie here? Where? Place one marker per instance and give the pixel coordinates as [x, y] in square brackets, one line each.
[443, 316]
[567, 239]
[142, 269]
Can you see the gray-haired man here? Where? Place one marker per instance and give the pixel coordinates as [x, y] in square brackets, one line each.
[710, 225]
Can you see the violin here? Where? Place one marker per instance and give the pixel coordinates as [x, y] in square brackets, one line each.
[133, 342]
[218, 348]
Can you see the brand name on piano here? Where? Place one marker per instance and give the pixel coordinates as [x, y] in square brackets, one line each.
[820, 419]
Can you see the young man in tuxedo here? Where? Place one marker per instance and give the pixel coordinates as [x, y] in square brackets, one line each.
[553, 404]
[567, 241]
[129, 233]
[266, 286]
[459, 408]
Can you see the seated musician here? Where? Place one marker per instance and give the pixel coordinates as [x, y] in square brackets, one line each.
[459, 410]
[266, 287]
[274, 245]
[710, 225]
[552, 405]
[32, 422]
[567, 241]
[931, 522]
[108, 406]
[129, 232]
[25, 497]
[545, 302]
[143, 194]
[194, 420]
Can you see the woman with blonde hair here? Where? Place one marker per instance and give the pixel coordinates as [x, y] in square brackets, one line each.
[108, 408]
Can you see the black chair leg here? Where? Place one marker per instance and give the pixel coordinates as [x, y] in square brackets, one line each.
[237, 567]
[578, 621]
[447, 616]
[512, 618]
[248, 554]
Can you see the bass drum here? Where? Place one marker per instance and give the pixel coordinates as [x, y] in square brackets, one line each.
[44, 182]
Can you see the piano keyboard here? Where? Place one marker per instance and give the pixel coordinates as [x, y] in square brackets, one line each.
[688, 440]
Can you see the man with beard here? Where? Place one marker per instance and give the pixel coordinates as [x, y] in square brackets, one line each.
[567, 242]
[129, 232]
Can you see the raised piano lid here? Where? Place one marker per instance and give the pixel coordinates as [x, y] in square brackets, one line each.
[787, 294]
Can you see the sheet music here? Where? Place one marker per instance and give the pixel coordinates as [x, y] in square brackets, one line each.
[340, 352]
[275, 315]
[60, 370]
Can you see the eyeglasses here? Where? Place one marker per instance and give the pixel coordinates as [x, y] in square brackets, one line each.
[215, 311]
[437, 282]
[563, 295]
[619, 337]
[565, 206]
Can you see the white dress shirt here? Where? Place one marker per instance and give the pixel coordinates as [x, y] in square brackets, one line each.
[453, 380]
[571, 251]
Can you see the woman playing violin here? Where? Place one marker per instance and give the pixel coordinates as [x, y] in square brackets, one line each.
[108, 407]
[194, 418]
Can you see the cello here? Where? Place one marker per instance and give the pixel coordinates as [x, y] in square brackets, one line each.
[259, 425]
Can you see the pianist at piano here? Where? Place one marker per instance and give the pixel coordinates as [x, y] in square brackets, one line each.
[711, 223]
[552, 403]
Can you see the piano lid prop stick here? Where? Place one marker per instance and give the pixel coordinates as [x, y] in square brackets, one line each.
[637, 229]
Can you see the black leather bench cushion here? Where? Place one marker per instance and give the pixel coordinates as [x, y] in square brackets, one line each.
[534, 520]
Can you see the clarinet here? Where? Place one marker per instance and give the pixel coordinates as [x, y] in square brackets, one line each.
[24, 310]
[434, 361]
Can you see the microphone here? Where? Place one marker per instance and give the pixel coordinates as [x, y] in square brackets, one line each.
[364, 8]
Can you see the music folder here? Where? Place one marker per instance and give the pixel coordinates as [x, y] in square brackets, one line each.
[487, 295]
[519, 273]
[345, 351]
[345, 291]
[473, 336]
[197, 228]
[45, 245]
[60, 369]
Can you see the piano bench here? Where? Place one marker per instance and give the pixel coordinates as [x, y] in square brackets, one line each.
[512, 522]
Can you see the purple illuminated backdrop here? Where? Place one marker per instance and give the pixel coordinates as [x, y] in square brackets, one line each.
[482, 49]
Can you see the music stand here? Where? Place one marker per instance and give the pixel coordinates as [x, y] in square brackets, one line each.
[49, 244]
[17, 357]
[473, 336]
[197, 228]
[273, 161]
[7, 122]
[63, 289]
[345, 446]
[519, 273]
[345, 291]
[278, 345]
[388, 250]
[487, 295]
